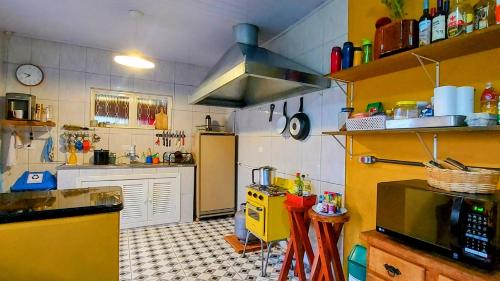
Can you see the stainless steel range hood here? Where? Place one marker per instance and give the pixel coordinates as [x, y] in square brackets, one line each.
[248, 75]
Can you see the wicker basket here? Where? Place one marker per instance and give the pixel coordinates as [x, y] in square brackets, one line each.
[475, 181]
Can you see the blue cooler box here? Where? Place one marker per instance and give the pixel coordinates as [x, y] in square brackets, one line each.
[33, 181]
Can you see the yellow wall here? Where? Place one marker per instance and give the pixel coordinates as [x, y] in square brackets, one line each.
[481, 149]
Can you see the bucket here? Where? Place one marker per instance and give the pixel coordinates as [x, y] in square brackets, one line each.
[356, 264]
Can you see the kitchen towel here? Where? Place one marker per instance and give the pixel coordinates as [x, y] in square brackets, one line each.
[48, 150]
[445, 101]
[10, 159]
[465, 100]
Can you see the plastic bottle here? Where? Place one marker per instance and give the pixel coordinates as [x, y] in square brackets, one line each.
[368, 50]
[456, 22]
[489, 100]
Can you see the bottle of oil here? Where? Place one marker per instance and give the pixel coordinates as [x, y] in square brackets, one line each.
[484, 14]
[489, 100]
[456, 21]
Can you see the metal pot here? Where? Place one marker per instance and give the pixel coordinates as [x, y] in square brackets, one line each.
[101, 157]
[266, 175]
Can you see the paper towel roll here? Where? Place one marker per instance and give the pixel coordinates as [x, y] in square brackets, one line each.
[465, 100]
[445, 101]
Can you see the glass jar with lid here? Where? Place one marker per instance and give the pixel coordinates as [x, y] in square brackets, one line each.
[405, 110]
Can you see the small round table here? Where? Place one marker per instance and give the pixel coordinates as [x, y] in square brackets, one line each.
[298, 243]
[327, 233]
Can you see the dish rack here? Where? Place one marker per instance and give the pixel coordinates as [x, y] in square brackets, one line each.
[366, 123]
[473, 181]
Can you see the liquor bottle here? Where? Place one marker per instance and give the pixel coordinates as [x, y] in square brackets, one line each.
[439, 23]
[456, 21]
[425, 26]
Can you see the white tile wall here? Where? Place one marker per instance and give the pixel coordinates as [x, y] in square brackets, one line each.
[309, 42]
[71, 71]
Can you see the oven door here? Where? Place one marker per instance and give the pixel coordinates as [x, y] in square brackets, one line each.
[254, 221]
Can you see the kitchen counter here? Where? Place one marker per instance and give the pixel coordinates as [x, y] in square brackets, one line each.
[38, 205]
[122, 166]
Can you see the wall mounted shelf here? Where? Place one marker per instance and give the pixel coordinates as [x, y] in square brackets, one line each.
[416, 130]
[475, 42]
[26, 123]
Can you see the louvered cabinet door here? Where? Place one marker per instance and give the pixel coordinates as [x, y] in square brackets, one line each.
[164, 200]
[135, 200]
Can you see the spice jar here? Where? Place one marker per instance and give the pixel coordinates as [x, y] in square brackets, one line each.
[405, 110]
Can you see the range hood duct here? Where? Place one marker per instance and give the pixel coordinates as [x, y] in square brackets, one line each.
[248, 75]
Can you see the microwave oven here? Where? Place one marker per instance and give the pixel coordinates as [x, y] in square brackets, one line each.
[462, 226]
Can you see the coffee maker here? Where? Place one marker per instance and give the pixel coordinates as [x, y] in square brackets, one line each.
[17, 102]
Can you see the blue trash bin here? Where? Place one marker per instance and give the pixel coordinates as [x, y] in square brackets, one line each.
[356, 264]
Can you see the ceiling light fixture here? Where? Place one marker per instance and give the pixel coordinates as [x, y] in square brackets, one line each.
[135, 59]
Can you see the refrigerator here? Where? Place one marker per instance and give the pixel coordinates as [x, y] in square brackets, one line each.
[215, 156]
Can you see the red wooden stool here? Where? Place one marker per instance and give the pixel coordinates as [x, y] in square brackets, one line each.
[298, 243]
[327, 232]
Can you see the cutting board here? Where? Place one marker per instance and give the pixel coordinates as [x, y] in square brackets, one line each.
[161, 119]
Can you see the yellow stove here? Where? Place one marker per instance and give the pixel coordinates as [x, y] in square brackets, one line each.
[266, 215]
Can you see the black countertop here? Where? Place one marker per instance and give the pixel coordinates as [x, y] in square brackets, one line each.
[38, 205]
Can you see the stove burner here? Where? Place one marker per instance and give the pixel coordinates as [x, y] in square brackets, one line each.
[272, 190]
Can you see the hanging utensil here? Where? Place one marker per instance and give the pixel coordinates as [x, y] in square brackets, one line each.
[282, 121]
[271, 112]
[300, 125]
[163, 136]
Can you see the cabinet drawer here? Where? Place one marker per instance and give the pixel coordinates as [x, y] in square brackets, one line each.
[394, 268]
[444, 278]
[373, 277]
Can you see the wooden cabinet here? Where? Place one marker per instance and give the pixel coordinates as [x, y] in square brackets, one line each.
[164, 200]
[390, 260]
[394, 268]
[146, 201]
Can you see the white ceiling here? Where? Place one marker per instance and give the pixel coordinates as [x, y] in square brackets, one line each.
[192, 31]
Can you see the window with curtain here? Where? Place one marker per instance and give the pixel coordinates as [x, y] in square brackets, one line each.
[128, 109]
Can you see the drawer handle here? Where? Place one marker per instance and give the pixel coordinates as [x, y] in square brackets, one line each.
[391, 270]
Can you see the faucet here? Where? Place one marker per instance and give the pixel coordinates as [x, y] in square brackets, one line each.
[132, 155]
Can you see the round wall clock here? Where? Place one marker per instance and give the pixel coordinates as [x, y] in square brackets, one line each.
[29, 75]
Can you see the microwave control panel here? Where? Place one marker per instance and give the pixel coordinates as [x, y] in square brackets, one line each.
[479, 230]
[477, 236]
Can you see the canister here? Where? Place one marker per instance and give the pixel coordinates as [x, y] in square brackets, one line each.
[347, 55]
[336, 59]
[358, 56]
[367, 50]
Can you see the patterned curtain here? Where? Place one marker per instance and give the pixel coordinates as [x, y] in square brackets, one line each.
[112, 109]
[147, 108]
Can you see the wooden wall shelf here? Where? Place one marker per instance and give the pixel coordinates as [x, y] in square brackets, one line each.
[24, 123]
[417, 130]
[475, 42]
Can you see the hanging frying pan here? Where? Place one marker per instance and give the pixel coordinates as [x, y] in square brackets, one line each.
[300, 124]
[282, 122]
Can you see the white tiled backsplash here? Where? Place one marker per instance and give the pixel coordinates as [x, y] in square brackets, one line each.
[309, 42]
[70, 71]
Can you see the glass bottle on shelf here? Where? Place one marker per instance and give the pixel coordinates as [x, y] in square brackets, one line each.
[439, 23]
[484, 14]
[456, 22]
[425, 26]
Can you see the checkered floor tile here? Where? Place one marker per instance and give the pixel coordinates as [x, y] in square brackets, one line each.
[193, 251]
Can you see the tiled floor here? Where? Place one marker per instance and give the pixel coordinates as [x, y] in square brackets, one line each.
[194, 251]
